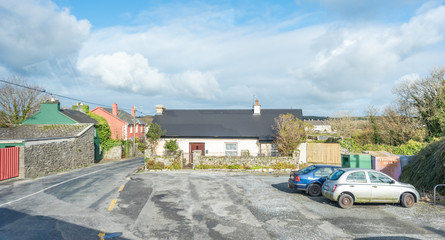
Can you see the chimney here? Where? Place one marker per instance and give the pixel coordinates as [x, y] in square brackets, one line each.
[114, 109]
[159, 109]
[256, 108]
[132, 111]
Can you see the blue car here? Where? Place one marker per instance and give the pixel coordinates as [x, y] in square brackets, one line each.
[310, 179]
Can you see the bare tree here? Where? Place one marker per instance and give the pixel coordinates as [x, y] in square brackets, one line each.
[425, 97]
[18, 100]
[290, 132]
[345, 124]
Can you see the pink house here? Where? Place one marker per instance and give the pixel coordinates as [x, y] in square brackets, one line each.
[121, 123]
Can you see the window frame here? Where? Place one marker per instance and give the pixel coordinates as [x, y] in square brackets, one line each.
[235, 151]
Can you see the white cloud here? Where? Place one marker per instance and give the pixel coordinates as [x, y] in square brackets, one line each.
[132, 73]
[33, 31]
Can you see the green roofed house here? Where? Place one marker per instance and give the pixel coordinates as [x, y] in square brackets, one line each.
[52, 139]
[50, 113]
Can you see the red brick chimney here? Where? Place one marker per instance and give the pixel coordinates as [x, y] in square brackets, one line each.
[132, 111]
[114, 109]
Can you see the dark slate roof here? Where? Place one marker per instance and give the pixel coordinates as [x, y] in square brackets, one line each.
[125, 116]
[221, 123]
[78, 116]
[36, 131]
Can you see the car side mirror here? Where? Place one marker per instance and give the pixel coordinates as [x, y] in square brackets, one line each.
[392, 182]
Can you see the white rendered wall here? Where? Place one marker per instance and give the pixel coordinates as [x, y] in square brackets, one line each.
[213, 147]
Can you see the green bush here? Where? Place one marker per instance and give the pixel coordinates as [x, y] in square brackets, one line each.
[175, 165]
[428, 168]
[409, 148]
[171, 145]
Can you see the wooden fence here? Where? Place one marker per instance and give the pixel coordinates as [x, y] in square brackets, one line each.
[323, 153]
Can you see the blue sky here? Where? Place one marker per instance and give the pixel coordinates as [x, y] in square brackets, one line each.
[321, 56]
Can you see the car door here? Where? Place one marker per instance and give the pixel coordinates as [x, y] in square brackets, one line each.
[383, 188]
[357, 184]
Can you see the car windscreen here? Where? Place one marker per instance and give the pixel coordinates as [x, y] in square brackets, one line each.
[307, 169]
[336, 175]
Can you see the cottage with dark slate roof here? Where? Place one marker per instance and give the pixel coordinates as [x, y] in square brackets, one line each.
[221, 132]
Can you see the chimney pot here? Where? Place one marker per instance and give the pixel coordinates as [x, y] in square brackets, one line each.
[132, 111]
[159, 109]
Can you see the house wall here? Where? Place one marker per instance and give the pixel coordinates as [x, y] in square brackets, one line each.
[213, 147]
[140, 131]
[47, 156]
[116, 125]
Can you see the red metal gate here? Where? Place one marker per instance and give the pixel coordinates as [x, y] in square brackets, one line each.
[9, 162]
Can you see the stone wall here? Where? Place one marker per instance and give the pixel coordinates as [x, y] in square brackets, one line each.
[248, 160]
[47, 156]
[113, 153]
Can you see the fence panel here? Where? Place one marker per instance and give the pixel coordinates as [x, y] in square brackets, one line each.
[323, 153]
[9, 163]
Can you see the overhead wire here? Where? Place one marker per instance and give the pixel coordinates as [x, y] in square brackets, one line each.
[61, 96]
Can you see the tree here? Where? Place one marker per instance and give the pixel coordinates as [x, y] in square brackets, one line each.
[18, 100]
[154, 133]
[345, 124]
[289, 133]
[171, 145]
[427, 96]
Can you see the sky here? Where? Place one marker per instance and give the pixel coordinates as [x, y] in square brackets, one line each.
[323, 56]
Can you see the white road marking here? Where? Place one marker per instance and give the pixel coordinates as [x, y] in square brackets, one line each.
[55, 185]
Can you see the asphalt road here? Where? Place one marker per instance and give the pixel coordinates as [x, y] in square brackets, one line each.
[68, 205]
[112, 202]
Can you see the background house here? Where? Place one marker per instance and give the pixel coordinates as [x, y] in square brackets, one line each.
[122, 123]
[51, 140]
[221, 132]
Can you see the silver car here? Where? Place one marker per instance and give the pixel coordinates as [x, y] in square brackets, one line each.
[349, 185]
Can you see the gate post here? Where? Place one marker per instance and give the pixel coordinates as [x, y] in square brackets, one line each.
[22, 162]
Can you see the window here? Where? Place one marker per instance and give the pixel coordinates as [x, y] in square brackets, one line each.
[307, 169]
[323, 172]
[377, 177]
[231, 149]
[357, 177]
[131, 129]
[273, 151]
[336, 175]
[137, 128]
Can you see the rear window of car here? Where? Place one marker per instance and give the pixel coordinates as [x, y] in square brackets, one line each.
[336, 175]
[323, 172]
[308, 169]
[357, 177]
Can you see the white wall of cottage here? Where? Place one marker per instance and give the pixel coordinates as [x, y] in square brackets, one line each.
[213, 147]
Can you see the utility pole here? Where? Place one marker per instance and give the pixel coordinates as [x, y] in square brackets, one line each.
[133, 110]
[134, 131]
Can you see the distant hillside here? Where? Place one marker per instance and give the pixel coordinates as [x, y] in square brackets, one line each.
[427, 169]
[148, 119]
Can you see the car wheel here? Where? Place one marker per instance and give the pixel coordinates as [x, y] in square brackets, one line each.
[407, 200]
[345, 200]
[314, 190]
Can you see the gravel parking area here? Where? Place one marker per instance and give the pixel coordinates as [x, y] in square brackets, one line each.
[237, 205]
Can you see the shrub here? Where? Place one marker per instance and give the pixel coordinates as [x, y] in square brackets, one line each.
[171, 145]
[152, 164]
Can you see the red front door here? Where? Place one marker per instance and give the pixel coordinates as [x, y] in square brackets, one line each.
[196, 146]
